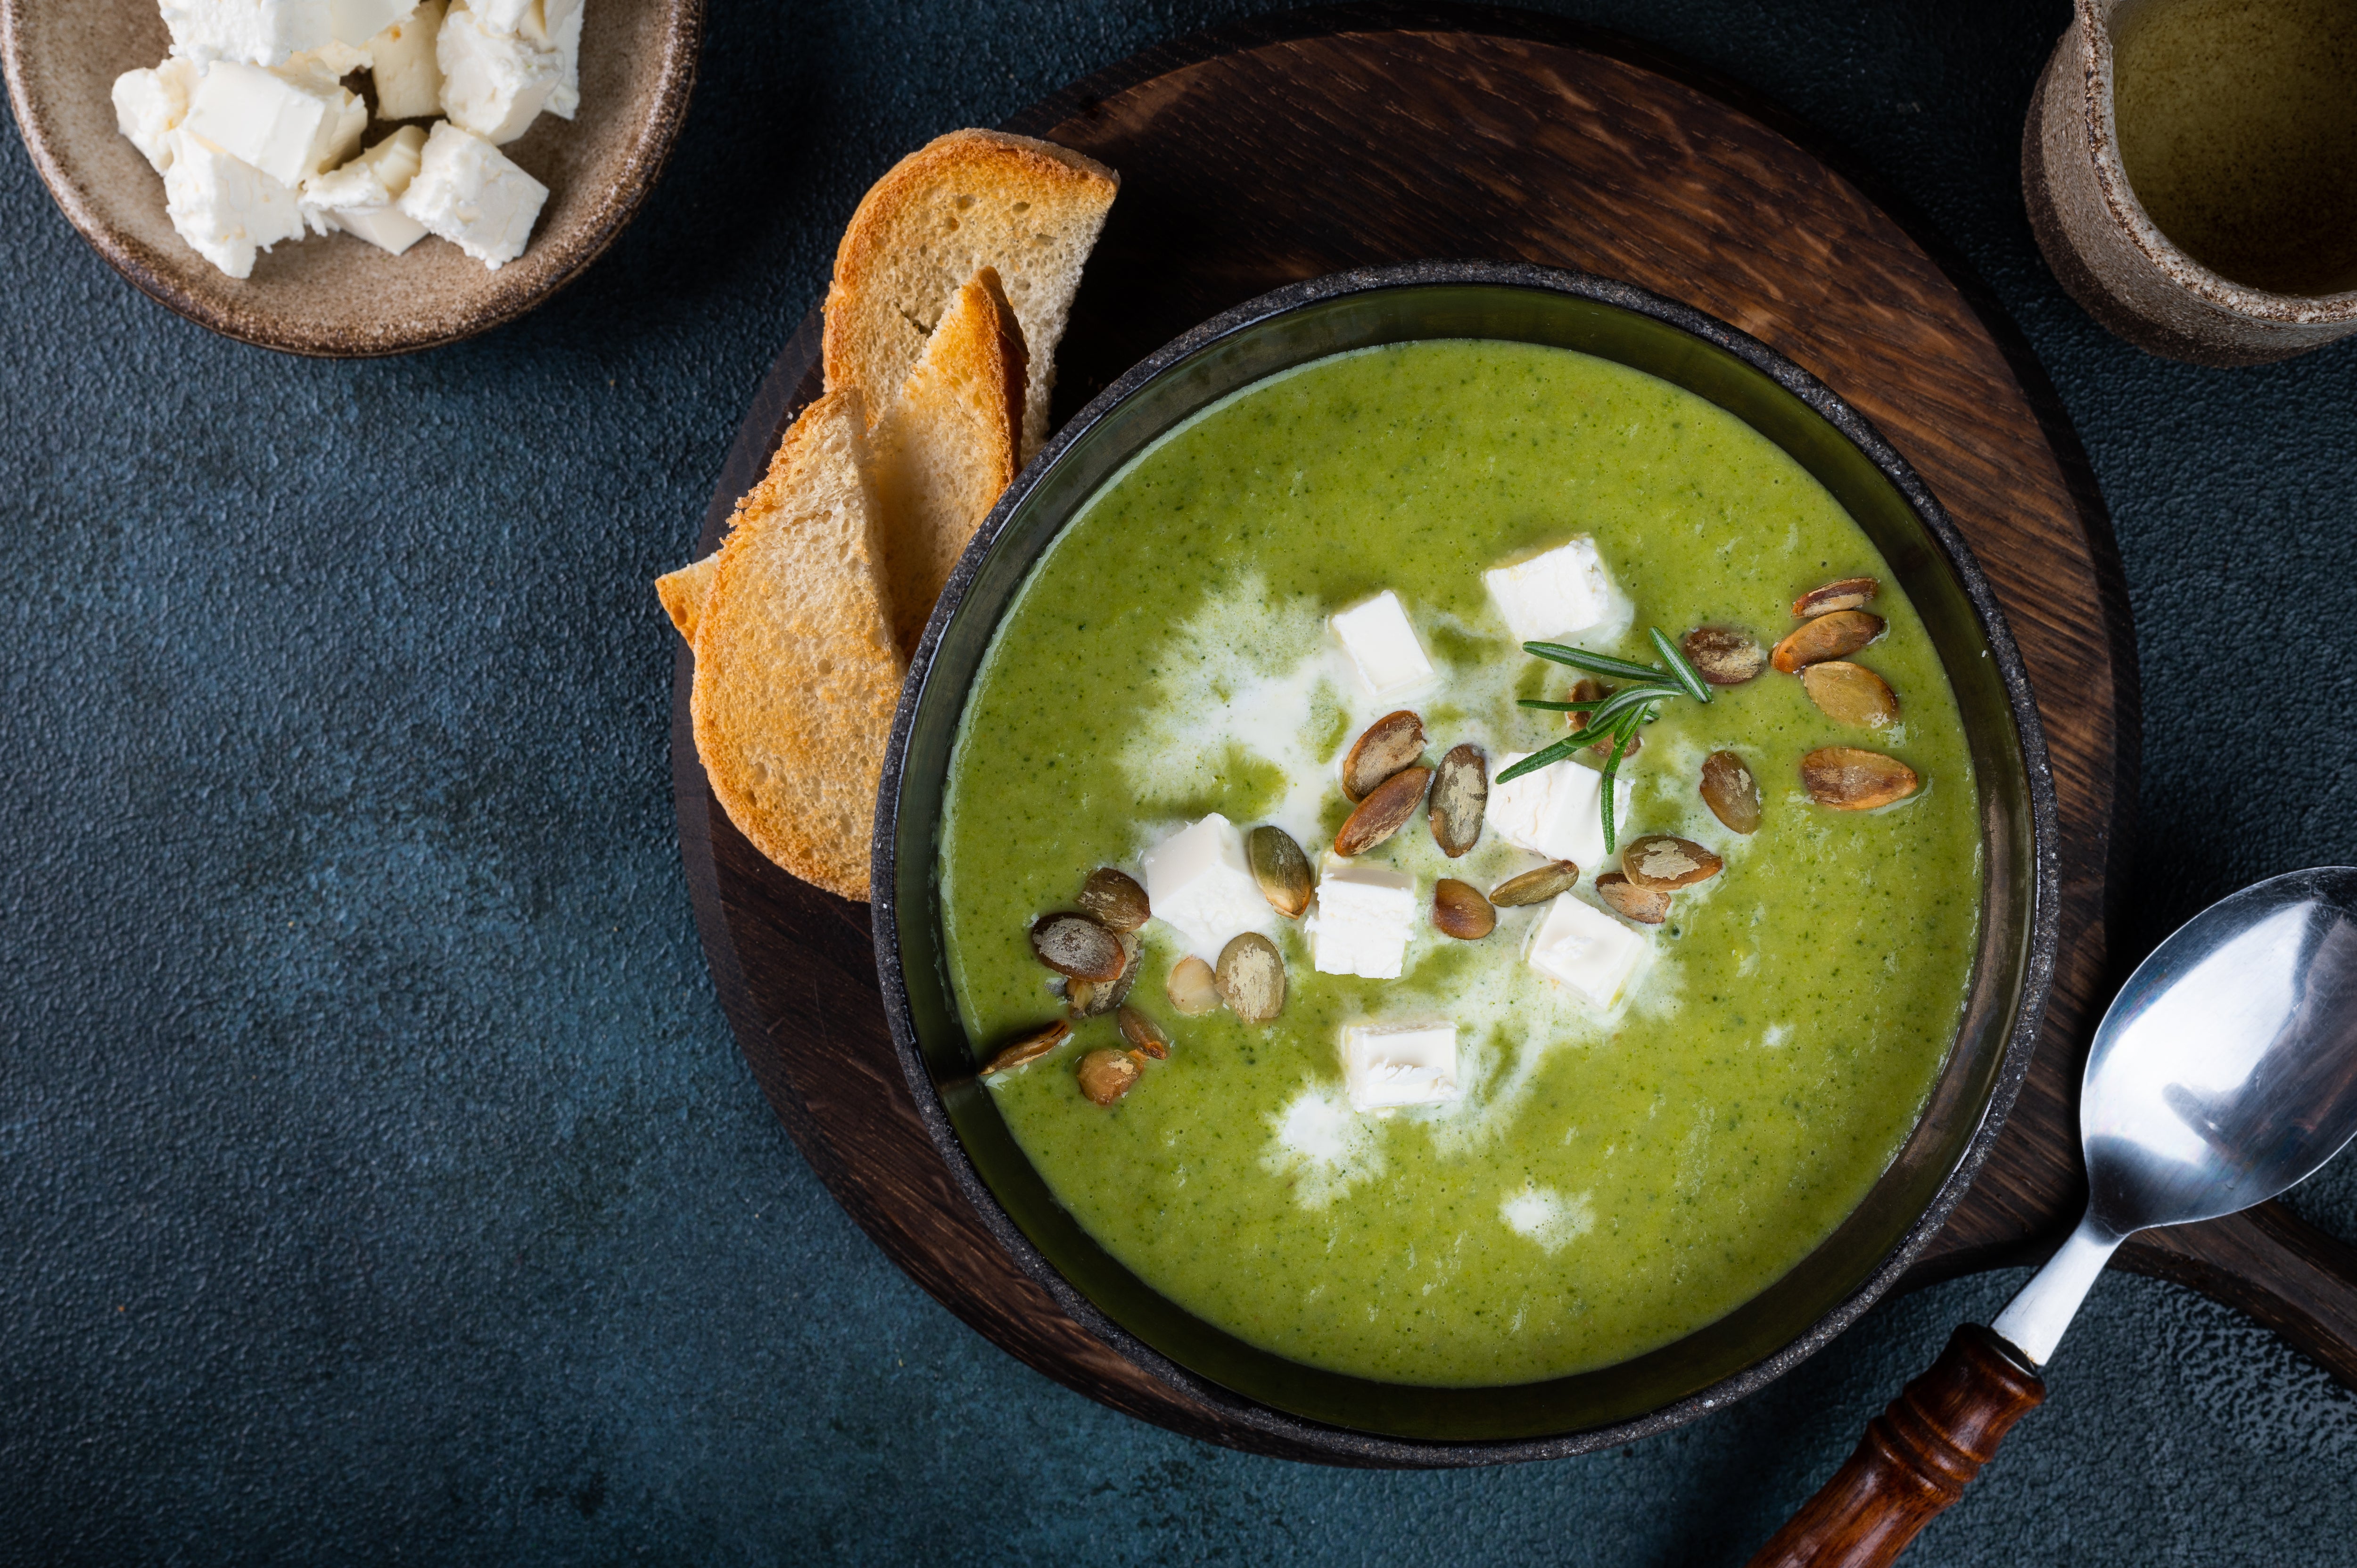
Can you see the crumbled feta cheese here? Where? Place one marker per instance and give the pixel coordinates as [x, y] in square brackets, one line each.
[1559, 811]
[493, 84]
[149, 103]
[288, 124]
[1199, 883]
[1382, 646]
[331, 60]
[1562, 593]
[355, 22]
[257, 32]
[563, 34]
[1384, 1064]
[1362, 921]
[359, 196]
[1587, 949]
[224, 207]
[468, 192]
[408, 81]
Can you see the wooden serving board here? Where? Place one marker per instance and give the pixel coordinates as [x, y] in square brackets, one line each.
[1285, 148]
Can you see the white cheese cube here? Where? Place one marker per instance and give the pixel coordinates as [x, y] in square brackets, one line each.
[257, 32]
[359, 197]
[1362, 921]
[408, 80]
[1384, 1064]
[356, 23]
[468, 192]
[1562, 592]
[149, 103]
[333, 60]
[493, 84]
[286, 123]
[507, 16]
[225, 207]
[563, 36]
[1199, 883]
[1587, 949]
[1382, 646]
[1557, 811]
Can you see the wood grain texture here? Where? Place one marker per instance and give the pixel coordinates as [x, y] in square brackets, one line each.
[1914, 1461]
[1276, 151]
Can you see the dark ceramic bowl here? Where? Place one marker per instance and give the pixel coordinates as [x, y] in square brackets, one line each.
[1357, 1418]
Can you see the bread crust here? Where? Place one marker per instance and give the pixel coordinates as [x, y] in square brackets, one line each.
[797, 674]
[951, 442]
[1029, 210]
[683, 593]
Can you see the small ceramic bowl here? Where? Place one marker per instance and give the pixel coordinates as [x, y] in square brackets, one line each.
[334, 295]
[2108, 252]
[1356, 1420]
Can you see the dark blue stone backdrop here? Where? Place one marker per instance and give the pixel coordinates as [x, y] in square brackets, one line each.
[378, 1179]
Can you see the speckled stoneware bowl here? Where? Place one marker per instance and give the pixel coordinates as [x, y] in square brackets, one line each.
[334, 295]
[1357, 1420]
[2105, 248]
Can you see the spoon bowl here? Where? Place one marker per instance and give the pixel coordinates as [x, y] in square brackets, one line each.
[2226, 1071]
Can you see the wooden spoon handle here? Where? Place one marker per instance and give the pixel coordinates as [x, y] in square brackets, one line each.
[1914, 1458]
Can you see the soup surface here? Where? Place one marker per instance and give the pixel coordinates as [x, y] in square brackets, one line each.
[1606, 1181]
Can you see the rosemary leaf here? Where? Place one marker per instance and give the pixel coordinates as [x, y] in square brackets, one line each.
[1543, 757]
[1594, 664]
[1680, 668]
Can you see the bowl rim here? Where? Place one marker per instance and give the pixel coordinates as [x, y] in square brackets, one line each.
[2040, 934]
[644, 160]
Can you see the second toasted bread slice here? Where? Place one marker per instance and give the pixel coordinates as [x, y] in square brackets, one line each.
[796, 669]
[1029, 210]
[951, 443]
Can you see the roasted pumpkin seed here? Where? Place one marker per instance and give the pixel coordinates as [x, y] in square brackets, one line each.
[1535, 885]
[1846, 594]
[1849, 780]
[1660, 861]
[1281, 869]
[1391, 743]
[1384, 812]
[1115, 899]
[1646, 905]
[1030, 1048]
[1192, 988]
[1078, 946]
[1460, 795]
[1251, 978]
[1835, 636]
[1106, 1075]
[1723, 656]
[1730, 791]
[1095, 998]
[1851, 693]
[1144, 1033]
[1458, 910]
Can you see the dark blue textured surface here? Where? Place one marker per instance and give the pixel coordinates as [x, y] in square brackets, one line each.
[378, 1179]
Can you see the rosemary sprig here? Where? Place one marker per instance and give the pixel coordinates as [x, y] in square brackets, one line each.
[1614, 718]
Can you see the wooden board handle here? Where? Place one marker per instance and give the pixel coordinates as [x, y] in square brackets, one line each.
[1913, 1460]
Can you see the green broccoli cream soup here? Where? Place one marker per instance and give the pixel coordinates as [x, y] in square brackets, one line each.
[1474, 1159]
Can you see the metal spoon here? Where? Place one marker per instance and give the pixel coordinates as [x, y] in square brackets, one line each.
[2224, 1073]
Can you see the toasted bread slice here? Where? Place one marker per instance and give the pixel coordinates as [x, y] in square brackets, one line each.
[949, 445]
[796, 671]
[1030, 210]
[683, 592]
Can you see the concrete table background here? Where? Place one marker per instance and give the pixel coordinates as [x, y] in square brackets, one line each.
[378, 1179]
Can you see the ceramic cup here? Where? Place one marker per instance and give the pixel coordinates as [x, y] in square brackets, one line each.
[2105, 248]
